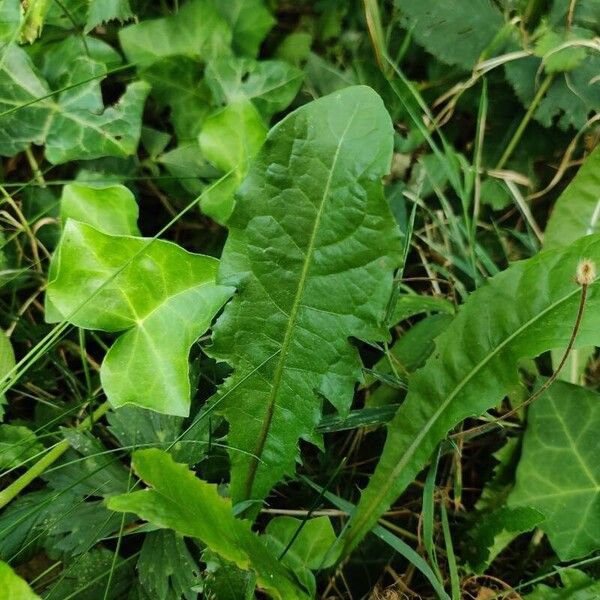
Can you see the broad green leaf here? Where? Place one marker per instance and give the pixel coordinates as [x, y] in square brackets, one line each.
[270, 84]
[17, 444]
[310, 546]
[229, 139]
[166, 568]
[526, 310]
[103, 11]
[455, 31]
[576, 585]
[250, 21]
[111, 209]
[225, 581]
[177, 499]
[494, 530]
[558, 59]
[13, 587]
[73, 124]
[577, 211]
[163, 297]
[312, 249]
[559, 473]
[197, 30]
[177, 82]
[11, 17]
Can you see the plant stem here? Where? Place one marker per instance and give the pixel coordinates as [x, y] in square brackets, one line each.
[35, 168]
[17, 486]
[525, 121]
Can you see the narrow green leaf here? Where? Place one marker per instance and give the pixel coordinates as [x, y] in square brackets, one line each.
[7, 363]
[177, 499]
[312, 248]
[559, 473]
[163, 297]
[13, 587]
[526, 310]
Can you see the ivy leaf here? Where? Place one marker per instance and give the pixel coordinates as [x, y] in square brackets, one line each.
[250, 21]
[456, 31]
[197, 31]
[577, 586]
[270, 84]
[526, 310]
[167, 570]
[11, 17]
[74, 125]
[577, 211]
[109, 208]
[103, 11]
[312, 248]
[229, 139]
[558, 473]
[163, 297]
[14, 587]
[179, 500]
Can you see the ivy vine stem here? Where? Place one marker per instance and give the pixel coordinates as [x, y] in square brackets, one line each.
[53, 454]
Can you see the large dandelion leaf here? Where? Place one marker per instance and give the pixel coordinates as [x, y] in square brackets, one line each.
[312, 250]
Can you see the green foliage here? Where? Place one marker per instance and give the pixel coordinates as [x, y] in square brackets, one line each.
[308, 279]
[180, 501]
[14, 588]
[72, 123]
[558, 473]
[526, 310]
[576, 586]
[143, 287]
[17, 445]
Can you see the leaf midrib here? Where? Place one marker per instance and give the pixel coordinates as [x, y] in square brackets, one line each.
[277, 377]
[429, 424]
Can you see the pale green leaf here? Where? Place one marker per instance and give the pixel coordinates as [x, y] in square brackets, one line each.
[410, 305]
[13, 587]
[197, 30]
[33, 19]
[455, 31]
[556, 58]
[111, 209]
[177, 499]
[167, 570]
[163, 297]
[310, 545]
[250, 21]
[270, 84]
[17, 445]
[526, 310]
[229, 139]
[312, 248]
[11, 17]
[576, 585]
[103, 11]
[559, 473]
[577, 211]
[7, 363]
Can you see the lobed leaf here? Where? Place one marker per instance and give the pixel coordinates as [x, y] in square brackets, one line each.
[177, 499]
[312, 248]
[558, 473]
[526, 310]
[163, 297]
